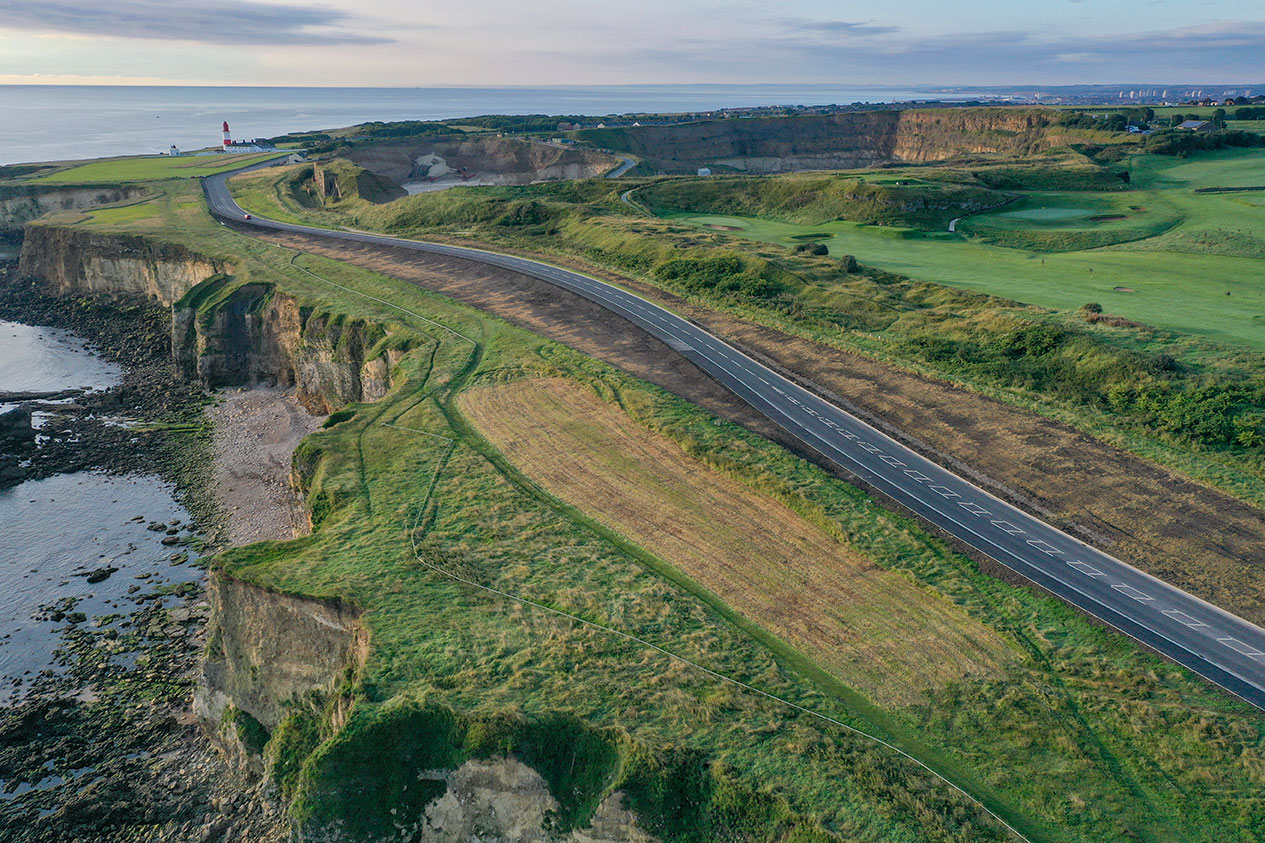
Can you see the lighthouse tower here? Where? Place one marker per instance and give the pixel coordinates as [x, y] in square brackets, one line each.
[227, 138]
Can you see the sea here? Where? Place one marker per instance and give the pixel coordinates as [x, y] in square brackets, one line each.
[57, 530]
[62, 122]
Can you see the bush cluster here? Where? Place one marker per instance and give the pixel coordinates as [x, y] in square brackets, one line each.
[727, 276]
[1146, 390]
[1176, 142]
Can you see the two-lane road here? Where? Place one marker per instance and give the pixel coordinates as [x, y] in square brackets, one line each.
[1219, 646]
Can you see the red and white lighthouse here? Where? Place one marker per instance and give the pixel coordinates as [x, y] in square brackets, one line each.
[227, 138]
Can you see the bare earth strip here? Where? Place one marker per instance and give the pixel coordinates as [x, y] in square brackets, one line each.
[1201, 540]
[256, 432]
[875, 629]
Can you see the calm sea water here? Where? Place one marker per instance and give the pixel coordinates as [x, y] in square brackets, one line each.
[54, 531]
[49, 123]
[47, 360]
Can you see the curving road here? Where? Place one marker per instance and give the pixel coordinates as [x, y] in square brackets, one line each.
[1219, 646]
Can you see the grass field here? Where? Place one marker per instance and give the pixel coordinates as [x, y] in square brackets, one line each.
[1076, 734]
[1197, 271]
[152, 168]
[872, 628]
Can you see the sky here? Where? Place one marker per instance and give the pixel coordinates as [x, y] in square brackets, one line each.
[582, 42]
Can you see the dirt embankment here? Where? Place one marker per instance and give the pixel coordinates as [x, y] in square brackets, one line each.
[488, 160]
[1199, 539]
[830, 142]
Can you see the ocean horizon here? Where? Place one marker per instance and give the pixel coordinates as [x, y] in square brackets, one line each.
[60, 122]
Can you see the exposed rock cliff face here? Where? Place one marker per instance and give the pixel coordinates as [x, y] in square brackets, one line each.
[20, 204]
[338, 180]
[258, 334]
[266, 649]
[490, 160]
[837, 141]
[73, 261]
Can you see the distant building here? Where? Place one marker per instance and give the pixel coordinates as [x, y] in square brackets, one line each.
[704, 171]
[173, 152]
[1197, 126]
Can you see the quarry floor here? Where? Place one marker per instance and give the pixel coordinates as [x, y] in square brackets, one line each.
[1197, 538]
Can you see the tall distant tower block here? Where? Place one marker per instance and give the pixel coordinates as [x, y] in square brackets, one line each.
[227, 138]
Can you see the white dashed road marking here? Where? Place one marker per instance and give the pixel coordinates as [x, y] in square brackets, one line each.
[1007, 527]
[1086, 568]
[1185, 619]
[1130, 591]
[973, 508]
[918, 475]
[944, 491]
[890, 460]
[1045, 547]
[1239, 647]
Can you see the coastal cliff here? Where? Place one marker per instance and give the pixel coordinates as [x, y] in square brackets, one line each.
[20, 204]
[73, 261]
[256, 333]
[267, 651]
[279, 682]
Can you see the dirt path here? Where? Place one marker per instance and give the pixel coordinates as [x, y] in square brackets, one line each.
[1198, 539]
[256, 432]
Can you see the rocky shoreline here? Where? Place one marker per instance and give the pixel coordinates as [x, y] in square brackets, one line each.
[103, 746]
[151, 423]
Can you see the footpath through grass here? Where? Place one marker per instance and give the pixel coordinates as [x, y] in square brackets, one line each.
[1076, 735]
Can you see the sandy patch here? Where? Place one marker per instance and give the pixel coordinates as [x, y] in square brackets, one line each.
[256, 432]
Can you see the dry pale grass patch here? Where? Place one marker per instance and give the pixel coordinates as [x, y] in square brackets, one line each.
[873, 628]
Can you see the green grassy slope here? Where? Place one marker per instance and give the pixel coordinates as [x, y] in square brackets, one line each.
[1084, 737]
[151, 168]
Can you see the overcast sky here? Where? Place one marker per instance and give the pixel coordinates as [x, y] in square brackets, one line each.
[529, 42]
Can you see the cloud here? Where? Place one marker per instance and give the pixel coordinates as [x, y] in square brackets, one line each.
[1223, 51]
[834, 28]
[220, 22]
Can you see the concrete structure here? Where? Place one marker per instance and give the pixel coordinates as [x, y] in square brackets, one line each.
[704, 171]
[173, 152]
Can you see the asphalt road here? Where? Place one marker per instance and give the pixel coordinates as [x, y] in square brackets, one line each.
[628, 164]
[1219, 646]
